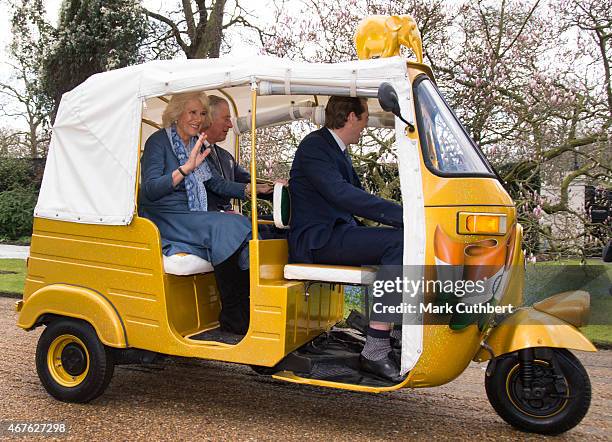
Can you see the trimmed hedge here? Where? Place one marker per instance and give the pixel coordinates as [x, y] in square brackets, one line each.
[19, 184]
[16, 210]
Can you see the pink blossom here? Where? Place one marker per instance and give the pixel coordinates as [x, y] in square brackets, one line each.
[538, 212]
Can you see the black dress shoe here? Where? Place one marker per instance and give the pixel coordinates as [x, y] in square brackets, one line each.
[396, 355]
[385, 368]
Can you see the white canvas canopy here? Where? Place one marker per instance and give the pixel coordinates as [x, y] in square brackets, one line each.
[90, 176]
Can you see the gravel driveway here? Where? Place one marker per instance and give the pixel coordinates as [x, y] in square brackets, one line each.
[201, 400]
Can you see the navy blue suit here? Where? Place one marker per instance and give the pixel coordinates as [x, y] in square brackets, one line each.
[223, 163]
[326, 194]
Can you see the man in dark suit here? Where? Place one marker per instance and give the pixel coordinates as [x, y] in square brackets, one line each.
[326, 194]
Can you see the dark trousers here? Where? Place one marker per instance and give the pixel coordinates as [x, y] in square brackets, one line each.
[233, 284]
[356, 246]
[269, 231]
[362, 246]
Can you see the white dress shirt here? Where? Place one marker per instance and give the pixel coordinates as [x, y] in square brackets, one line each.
[338, 140]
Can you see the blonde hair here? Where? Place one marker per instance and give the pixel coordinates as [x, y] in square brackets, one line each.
[176, 106]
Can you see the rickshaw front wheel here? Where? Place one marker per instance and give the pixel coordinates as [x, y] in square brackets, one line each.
[555, 400]
[72, 364]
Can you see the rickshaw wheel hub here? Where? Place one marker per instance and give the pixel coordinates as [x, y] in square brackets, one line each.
[542, 399]
[73, 359]
[68, 360]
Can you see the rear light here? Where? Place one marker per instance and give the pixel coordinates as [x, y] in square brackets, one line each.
[481, 223]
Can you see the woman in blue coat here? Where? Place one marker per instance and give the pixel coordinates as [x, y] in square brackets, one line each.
[173, 194]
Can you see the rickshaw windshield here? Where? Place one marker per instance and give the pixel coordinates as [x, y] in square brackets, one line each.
[447, 148]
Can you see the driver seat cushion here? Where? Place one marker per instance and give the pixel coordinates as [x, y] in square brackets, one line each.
[184, 264]
[331, 273]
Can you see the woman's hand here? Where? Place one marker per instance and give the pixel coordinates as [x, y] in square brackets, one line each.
[197, 155]
[195, 159]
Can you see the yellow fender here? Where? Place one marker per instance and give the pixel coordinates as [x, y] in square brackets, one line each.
[75, 302]
[528, 328]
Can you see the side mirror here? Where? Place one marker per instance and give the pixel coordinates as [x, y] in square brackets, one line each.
[387, 98]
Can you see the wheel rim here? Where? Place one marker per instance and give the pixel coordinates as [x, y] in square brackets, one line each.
[68, 360]
[549, 402]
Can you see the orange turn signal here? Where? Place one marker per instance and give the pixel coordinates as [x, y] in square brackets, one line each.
[481, 223]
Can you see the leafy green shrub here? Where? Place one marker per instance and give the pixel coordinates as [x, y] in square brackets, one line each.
[16, 210]
[15, 173]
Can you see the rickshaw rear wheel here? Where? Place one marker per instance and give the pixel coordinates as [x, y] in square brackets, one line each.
[559, 397]
[71, 362]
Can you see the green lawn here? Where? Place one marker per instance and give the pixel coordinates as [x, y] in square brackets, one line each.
[545, 279]
[599, 334]
[12, 275]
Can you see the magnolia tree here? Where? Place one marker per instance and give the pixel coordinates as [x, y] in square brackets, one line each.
[530, 80]
[529, 95]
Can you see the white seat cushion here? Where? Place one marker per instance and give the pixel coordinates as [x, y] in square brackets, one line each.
[184, 264]
[327, 273]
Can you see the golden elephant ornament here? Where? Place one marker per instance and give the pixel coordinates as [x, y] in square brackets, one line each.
[381, 36]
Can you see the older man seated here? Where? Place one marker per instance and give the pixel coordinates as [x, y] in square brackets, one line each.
[223, 163]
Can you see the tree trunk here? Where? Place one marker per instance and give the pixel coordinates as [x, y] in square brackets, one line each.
[204, 30]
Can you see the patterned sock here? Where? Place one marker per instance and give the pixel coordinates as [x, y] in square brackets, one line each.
[396, 333]
[377, 345]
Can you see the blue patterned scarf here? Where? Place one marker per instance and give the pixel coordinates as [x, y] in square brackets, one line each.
[194, 182]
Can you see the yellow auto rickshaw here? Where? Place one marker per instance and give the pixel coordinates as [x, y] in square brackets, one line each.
[98, 282]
